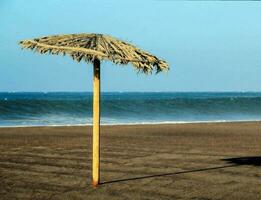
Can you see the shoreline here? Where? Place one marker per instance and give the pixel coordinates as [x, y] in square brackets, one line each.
[137, 124]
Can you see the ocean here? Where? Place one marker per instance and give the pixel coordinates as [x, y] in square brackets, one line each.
[75, 108]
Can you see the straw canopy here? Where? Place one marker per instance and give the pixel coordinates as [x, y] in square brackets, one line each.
[90, 47]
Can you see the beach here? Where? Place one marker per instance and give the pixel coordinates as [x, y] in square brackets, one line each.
[168, 161]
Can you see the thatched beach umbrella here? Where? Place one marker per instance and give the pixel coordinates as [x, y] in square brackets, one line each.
[94, 48]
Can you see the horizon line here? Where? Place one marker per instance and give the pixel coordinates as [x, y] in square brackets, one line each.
[178, 91]
[206, 0]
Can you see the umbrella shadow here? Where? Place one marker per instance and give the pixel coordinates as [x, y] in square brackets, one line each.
[254, 160]
[234, 162]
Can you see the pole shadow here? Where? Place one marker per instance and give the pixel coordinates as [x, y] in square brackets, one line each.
[234, 162]
[167, 174]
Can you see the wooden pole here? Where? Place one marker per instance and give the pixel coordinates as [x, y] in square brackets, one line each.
[96, 124]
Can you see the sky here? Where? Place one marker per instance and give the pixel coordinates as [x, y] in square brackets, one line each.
[210, 46]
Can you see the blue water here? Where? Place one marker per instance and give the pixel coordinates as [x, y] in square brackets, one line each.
[64, 108]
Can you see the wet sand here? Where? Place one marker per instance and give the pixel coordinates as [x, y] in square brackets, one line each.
[182, 161]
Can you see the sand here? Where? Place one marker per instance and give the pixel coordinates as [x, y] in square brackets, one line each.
[182, 161]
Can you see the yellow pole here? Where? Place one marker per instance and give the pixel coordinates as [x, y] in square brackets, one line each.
[96, 124]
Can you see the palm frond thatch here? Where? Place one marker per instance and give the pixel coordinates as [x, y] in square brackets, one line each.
[89, 47]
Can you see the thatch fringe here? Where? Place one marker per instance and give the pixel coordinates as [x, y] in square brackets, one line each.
[89, 47]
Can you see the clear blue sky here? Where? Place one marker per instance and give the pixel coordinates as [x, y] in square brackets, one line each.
[210, 46]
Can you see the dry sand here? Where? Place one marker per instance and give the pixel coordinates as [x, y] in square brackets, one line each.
[183, 161]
